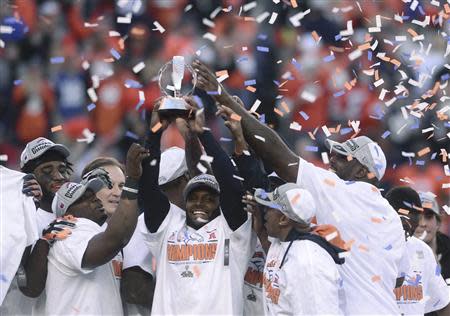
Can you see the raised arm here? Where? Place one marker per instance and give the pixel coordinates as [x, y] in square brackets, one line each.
[103, 247]
[263, 140]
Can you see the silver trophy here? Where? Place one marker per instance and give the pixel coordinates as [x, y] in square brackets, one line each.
[170, 82]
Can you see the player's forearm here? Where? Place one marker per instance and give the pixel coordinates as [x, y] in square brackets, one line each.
[264, 141]
[36, 269]
[193, 153]
[123, 222]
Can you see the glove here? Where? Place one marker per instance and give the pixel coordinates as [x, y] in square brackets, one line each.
[59, 229]
[98, 173]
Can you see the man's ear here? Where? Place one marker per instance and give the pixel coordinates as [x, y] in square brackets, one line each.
[284, 220]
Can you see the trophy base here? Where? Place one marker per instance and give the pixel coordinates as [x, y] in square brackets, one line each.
[173, 107]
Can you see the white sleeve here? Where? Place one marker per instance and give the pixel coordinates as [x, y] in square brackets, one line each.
[68, 253]
[312, 287]
[438, 293]
[137, 252]
[155, 241]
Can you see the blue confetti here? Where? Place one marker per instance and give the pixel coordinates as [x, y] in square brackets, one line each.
[276, 82]
[115, 54]
[243, 58]
[250, 82]
[388, 247]
[296, 64]
[18, 82]
[338, 37]
[445, 77]
[304, 115]
[57, 60]
[212, 92]
[394, 166]
[421, 10]
[438, 270]
[346, 130]
[262, 37]
[262, 118]
[224, 139]
[199, 101]
[349, 182]
[133, 84]
[339, 93]
[90, 107]
[138, 106]
[329, 58]
[385, 134]
[263, 49]
[369, 55]
[420, 163]
[3, 278]
[433, 156]
[131, 135]
[312, 148]
[405, 17]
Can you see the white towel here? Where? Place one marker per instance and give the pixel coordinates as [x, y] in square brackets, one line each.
[18, 225]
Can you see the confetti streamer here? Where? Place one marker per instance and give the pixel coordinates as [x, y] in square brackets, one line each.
[56, 128]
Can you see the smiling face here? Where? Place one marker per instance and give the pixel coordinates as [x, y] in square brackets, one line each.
[90, 207]
[202, 206]
[428, 226]
[111, 197]
[51, 176]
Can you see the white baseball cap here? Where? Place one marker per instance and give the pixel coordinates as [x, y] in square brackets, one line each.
[429, 201]
[365, 150]
[172, 166]
[70, 192]
[294, 202]
[38, 147]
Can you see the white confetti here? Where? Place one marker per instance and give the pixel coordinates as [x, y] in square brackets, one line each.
[331, 236]
[201, 167]
[215, 12]
[208, 22]
[85, 64]
[249, 6]
[378, 82]
[138, 67]
[260, 18]
[141, 96]
[210, 36]
[6, 29]
[295, 126]
[423, 23]
[355, 54]
[295, 19]
[273, 18]
[188, 7]
[382, 94]
[255, 106]
[260, 138]
[91, 93]
[124, 19]
[2, 44]
[158, 27]
[4, 157]
[308, 96]
[207, 158]
[88, 136]
[349, 30]
[113, 33]
[326, 131]
[325, 158]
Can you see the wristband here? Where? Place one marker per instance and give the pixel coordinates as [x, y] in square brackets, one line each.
[131, 189]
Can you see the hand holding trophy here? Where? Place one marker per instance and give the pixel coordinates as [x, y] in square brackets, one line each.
[170, 82]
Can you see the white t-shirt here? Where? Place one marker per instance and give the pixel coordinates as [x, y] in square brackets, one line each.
[18, 227]
[424, 290]
[308, 283]
[253, 281]
[197, 273]
[72, 290]
[370, 225]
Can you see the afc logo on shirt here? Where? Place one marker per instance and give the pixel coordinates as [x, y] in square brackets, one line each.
[254, 274]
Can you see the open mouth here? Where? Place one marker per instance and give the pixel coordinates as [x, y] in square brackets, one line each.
[199, 213]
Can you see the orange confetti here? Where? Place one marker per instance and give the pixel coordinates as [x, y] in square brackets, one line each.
[156, 127]
[395, 62]
[285, 107]
[108, 60]
[348, 86]
[235, 117]
[294, 3]
[251, 89]
[222, 73]
[412, 32]
[137, 31]
[403, 211]
[278, 112]
[283, 83]
[315, 36]
[376, 220]
[423, 152]
[363, 248]
[364, 46]
[427, 205]
[295, 198]
[349, 244]
[56, 128]
[311, 135]
[371, 175]
[121, 43]
[330, 182]
[249, 18]
[376, 278]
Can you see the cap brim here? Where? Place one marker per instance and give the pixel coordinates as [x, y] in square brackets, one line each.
[200, 185]
[336, 147]
[267, 200]
[59, 148]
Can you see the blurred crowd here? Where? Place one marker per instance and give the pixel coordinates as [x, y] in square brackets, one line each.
[70, 63]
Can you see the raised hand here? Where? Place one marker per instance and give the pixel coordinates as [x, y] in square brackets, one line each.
[206, 80]
[157, 123]
[99, 173]
[136, 154]
[31, 187]
[59, 229]
[253, 208]
[196, 120]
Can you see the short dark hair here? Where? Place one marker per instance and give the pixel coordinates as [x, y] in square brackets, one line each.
[102, 162]
[404, 197]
